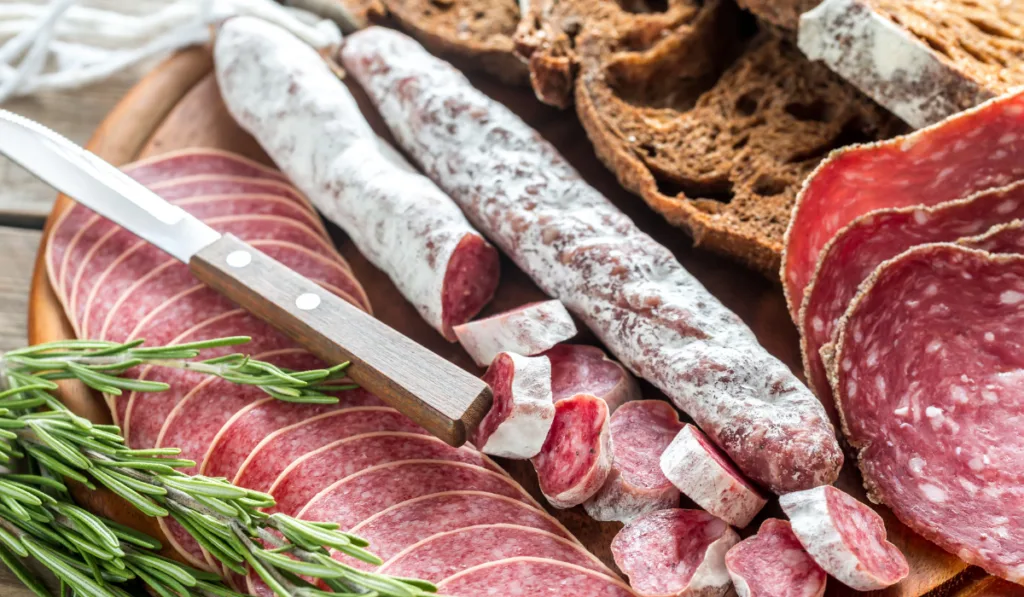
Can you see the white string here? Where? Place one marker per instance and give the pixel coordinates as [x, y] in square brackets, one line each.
[66, 46]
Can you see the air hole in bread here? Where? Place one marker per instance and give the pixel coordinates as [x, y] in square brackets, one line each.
[767, 185]
[643, 6]
[993, 29]
[742, 142]
[719, 191]
[746, 105]
[936, 45]
[817, 111]
[853, 131]
[979, 55]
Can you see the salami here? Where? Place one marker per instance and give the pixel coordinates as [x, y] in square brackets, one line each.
[845, 537]
[225, 184]
[528, 330]
[772, 563]
[675, 552]
[974, 150]
[934, 410]
[578, 368]
[1005, 238]
[195, 161]
[705, 475]
[522, 412]
[279, 89]
[579, 248]
[575, 460]
[640, 432]
[536, 577]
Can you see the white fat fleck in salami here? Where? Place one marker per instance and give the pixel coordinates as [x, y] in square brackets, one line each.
[279, 89]
[845, 537]
[938, 444]
[640, 432]
[527, 330]
[537, 577]
[522, 412]
[773, 563]
[705, 475]
[575, 460]
[582, 369]
[677, 552]
[653, 315]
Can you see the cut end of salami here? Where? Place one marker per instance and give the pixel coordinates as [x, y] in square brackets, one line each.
[582, 369]
[469, 283]
[677, 553]
[575, 460]
[773, 563]
[845, 537]
[528, 330]
[706, 476]
[522, 412]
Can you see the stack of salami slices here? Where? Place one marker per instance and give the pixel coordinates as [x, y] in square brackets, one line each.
[431, 511]
[904, 272]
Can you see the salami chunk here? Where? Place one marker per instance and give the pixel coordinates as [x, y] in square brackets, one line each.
[579, 248]
[640, 432]
[845, 537]
[575, 460]
[528, 330]
[578, 368]
[974, 150]
[773, 563]
[705, 475]
[927, 377]
[537, 577]
[675, 552]
[522, 412]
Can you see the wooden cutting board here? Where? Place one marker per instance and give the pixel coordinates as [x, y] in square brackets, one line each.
[178, 105]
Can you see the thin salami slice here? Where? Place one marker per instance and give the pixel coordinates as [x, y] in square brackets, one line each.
[578, 368]
[927, 378]
[312, 477]
[445, 554]
[772, 563]
[705, 475]
[974, 150]
[537, 577]
[640, 432]
[194, 161]
[579, 248]
[575, 460]
[845, 537]
[522, 412]
[279, 89]
[675, 552]
[527, 330]
[222, 184]
[1005, 238]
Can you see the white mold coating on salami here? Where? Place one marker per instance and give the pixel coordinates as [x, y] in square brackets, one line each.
[280, 90]
[528, 330]
[845, 537]
[522, 412]
[772, 563]
[653, 315]
[707, 477]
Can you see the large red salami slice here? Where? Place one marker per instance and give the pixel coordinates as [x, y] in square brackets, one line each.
[575, 459]
[279, 89]
[1005, 238]
[974, 150]
[528, 330]
[772, 563]
[934, 410]
[536, 577]
[640, 432]
[195, 161]
[579, 248]
[578, 368]
[675, 552]
[225, 184]
[522, 411]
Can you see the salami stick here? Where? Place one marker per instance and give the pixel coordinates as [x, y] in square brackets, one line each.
[578, 247]
[279, 89]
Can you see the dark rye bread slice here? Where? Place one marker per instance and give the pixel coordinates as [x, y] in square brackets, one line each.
[719, 149]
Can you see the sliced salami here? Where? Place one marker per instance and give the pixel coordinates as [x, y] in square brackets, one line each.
[194, 161]
[445, 554]
[675, 552]
[934, 410]
[845, 537]
[202, 185]
[705, 475]
[640, 432]
[575, 460]
[579, 248]
[314, 475]
[537, 577]
[1005, 238]
[773, 563]
[528, 330]
[522, 412]
[974, 150]
[578, 368]
[278, 88]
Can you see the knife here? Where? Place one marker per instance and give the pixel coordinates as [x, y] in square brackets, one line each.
[436, 394]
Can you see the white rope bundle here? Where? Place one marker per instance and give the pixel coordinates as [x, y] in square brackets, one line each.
[65, 46]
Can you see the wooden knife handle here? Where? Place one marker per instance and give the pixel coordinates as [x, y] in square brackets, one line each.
[436, 394]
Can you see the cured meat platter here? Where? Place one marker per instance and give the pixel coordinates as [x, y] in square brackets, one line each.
[179, 106]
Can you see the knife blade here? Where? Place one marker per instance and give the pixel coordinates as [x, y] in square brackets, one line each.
[436, 394]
